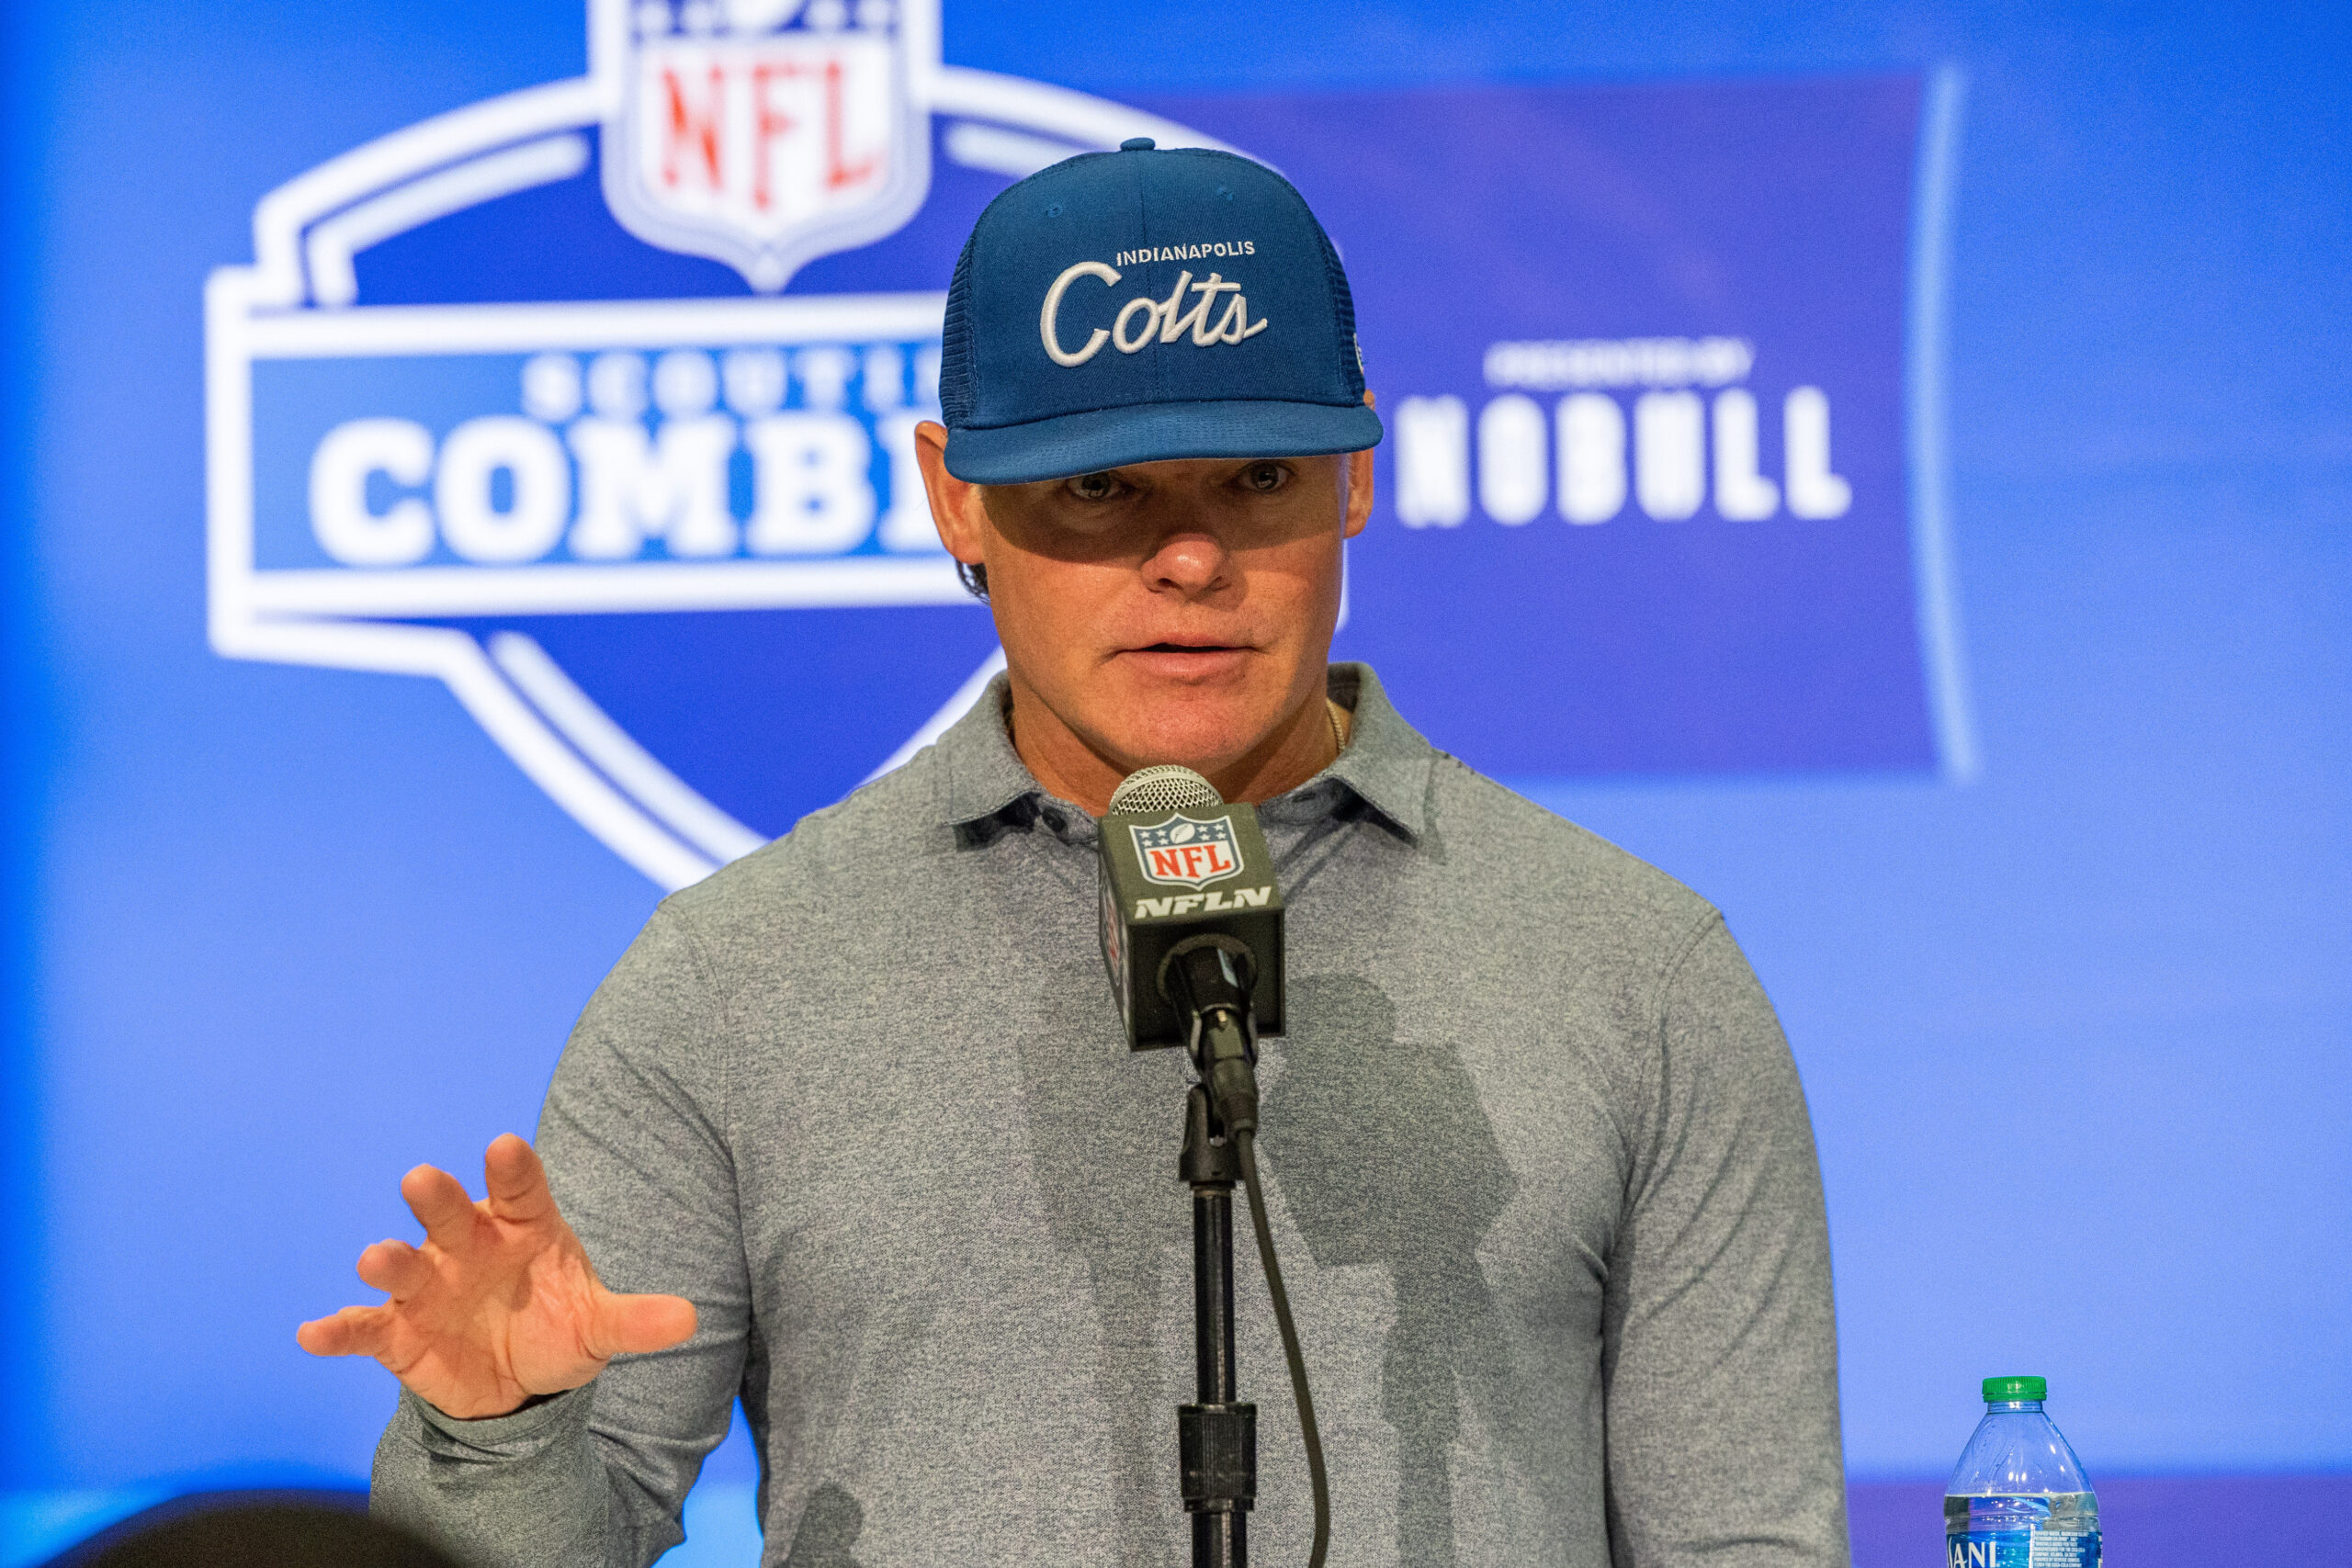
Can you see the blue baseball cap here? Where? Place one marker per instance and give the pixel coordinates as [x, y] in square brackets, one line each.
[1146, 304]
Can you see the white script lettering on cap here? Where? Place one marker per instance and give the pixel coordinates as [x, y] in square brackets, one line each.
[1163, 319]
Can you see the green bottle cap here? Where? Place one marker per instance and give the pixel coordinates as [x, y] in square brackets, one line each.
[2004, 1390]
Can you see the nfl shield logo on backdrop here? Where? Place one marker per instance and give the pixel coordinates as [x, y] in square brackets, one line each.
[1186, 852]
[763, 133]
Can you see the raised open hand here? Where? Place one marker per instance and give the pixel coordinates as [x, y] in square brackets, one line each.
[500, 1304]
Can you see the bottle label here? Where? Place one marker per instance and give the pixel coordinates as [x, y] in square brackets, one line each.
[2022, 1549]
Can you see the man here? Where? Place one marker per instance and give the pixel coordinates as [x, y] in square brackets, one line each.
[858, 1109]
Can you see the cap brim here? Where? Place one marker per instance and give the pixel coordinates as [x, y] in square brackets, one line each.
[1154, 432]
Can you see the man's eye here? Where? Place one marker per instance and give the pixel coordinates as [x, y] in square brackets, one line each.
[1094, 487]
[1264, 478]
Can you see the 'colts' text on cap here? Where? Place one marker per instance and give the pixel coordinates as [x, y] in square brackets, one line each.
[1148, 304]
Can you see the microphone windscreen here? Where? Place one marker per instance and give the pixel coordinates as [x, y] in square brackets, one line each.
[1155, 791]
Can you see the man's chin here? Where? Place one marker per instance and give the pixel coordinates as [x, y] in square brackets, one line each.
[1205, 731]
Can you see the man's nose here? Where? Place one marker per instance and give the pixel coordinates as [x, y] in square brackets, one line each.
[1192, 563]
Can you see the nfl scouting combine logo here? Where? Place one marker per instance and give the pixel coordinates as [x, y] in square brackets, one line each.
[539, 398]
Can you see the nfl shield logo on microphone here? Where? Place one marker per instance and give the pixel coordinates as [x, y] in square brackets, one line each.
[1185, 852]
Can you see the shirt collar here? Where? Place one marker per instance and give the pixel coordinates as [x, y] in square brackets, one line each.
[1386, 764]
[981, 773]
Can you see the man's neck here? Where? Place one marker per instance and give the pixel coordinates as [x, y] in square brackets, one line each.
[1302, 745]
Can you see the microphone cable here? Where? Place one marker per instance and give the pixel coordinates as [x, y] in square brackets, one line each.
[1245, 1143]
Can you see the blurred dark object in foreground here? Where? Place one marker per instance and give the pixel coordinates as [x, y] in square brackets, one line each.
[289, 1529]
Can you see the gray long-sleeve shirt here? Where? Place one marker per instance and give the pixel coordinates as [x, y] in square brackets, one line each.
[1539, 1169]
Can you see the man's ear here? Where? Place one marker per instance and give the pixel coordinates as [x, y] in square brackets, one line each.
[1359, 487]
[957, 508]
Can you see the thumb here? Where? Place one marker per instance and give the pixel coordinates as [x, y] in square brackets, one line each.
[635, 1324]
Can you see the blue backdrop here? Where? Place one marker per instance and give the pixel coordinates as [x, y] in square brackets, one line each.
[2040, 847]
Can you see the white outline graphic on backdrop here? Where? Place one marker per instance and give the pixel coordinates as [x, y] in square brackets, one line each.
[333, 243]
[1935, 585]
[297, 299]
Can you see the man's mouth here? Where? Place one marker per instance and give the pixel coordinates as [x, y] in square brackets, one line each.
[1173, 660]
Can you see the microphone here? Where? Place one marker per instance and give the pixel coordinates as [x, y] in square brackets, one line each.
[1192, 937]
[1193, 929]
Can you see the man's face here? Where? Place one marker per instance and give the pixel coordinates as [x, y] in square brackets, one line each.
[1166, 612]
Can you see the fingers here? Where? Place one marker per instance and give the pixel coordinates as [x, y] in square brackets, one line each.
[395, 1268]
[634, 1325]
[392, 1266]
[354, 1331]
[517, 1182]
[440, 1205]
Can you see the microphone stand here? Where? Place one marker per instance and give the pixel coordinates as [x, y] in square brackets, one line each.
[1216, 1439]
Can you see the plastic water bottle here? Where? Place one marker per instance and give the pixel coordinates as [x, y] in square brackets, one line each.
[2018, 1497]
